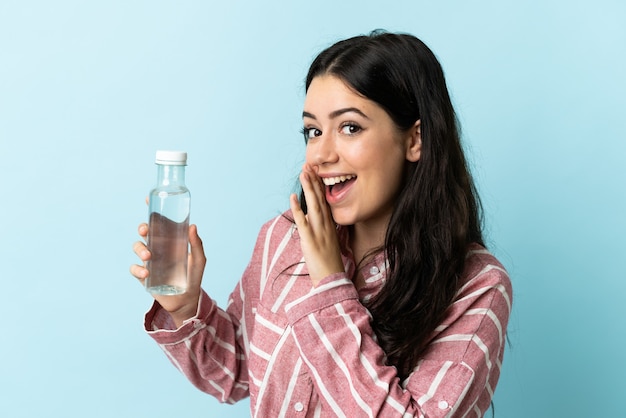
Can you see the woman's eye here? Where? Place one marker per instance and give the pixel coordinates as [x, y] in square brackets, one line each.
[310, 133]
[350, 129]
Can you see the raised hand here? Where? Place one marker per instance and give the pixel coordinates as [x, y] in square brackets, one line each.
[317, 229]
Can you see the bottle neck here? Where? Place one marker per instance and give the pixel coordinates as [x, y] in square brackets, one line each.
[171, 175]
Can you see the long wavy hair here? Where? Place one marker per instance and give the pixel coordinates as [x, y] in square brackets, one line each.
[437, 214]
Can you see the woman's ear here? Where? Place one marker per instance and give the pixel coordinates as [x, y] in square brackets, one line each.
[414, 142]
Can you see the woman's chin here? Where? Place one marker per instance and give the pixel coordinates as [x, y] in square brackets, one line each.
[342, 218]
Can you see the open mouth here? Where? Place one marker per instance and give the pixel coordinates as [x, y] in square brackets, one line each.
[335, 185]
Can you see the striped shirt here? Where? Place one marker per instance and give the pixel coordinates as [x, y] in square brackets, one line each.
[298, 350]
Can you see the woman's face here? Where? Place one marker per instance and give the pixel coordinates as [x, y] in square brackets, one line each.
[358, 150]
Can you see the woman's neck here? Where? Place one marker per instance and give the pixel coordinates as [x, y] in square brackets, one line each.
[364, 241]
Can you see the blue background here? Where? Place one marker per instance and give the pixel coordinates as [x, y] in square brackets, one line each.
[90, 90]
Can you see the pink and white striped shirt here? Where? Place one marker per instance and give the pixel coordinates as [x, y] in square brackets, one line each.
[297, 350]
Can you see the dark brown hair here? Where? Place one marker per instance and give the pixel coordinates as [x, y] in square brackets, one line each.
[437, 214]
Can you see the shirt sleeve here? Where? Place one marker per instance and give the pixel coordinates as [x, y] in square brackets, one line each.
[455, 377]
[212, 348]
[207, 349]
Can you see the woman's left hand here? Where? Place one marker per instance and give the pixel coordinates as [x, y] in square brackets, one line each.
[317, 229]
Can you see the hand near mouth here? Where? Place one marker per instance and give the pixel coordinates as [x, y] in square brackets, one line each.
[317, 230]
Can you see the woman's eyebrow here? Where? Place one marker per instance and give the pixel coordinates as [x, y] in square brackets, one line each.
[336, 113]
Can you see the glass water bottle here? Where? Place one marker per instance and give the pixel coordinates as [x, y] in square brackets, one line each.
[168, 234]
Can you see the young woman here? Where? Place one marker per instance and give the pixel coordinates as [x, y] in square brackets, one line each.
[373, 295]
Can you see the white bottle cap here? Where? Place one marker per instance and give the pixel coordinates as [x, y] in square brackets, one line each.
[171, 157]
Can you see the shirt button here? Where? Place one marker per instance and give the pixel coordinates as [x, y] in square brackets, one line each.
[374, 270]
[443, 405]
[298, 407]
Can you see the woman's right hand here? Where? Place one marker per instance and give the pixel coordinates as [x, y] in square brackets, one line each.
[184, 306]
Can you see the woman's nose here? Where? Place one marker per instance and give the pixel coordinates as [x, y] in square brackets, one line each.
[323, 150]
